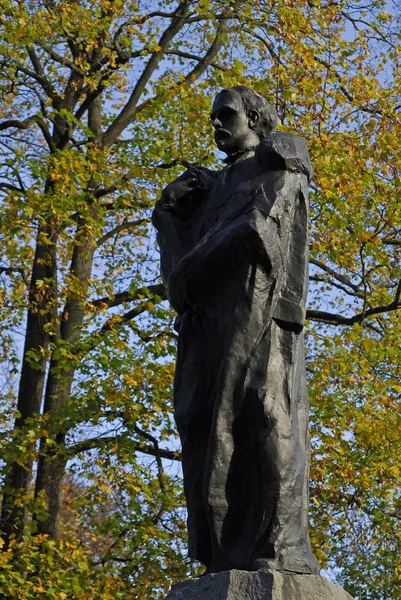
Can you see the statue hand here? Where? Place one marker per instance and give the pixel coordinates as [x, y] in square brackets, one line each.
[187, 190]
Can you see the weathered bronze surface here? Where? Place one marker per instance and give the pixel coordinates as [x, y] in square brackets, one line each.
[234, 257]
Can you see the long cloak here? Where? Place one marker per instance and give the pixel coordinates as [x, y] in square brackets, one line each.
[237, 275]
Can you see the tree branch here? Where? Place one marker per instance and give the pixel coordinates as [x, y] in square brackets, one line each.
[11, 187]
[26, 123]
[16, 124]
[178, 161]
[60, 59]
[125, 225]
[127, 114]
[46, 85]
[344, 90]
[128, 316]
[99, 442]
[334, 319]
[39, 75]
[391, 241]
[266, 43]
[193, 57]
[335, 275]
[101, 192]
[157, 289]
[157, 454]
[204, 63]
[338, 286]
[118, 320]
[213, 50]
[19, 270]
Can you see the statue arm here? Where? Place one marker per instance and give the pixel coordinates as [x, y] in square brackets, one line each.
[251, 232]
[170, 239]
[175, 214]
[273, 232]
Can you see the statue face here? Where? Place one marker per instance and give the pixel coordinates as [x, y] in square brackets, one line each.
[233, 131]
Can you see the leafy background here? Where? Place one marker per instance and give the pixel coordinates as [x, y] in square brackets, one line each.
[101, 104]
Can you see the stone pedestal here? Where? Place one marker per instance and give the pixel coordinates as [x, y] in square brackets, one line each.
[257, 585]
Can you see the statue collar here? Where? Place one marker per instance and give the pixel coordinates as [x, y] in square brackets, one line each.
[238, 156]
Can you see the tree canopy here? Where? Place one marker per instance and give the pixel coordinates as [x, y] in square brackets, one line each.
[101, 104]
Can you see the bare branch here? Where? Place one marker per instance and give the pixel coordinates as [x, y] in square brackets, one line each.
[178, 161]
[157, 289]
[204, 63]
[39, 75]
[122, 227]
[11, 187]
[19, 270]
[26, 123]
[213, 50]
[391, 241]
[46, 85]
[193, 57]
[347, 94]
[157, 454]
[16, 124]
[125, 318]
[335, 319]
[127, 114]
[100, 442]
[337, 276]
[60, 59]
[338, 286]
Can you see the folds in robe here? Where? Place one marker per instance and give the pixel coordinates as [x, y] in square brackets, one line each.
[235, 265]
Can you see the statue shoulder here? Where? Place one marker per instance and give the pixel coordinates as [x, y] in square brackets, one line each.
[284, 152]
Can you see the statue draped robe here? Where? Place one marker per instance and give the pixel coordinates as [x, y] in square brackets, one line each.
[234, 259]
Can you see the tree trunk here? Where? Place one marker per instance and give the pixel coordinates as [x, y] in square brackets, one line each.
[40, 313]
[52, 461]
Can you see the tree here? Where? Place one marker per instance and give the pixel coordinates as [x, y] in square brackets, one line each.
[102, 103]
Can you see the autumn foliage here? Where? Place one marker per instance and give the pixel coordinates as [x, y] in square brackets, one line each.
[101, 103]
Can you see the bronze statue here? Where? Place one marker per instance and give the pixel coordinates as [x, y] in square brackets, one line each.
[234, 254]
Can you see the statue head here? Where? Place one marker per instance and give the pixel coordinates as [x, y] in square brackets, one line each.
[241, 118]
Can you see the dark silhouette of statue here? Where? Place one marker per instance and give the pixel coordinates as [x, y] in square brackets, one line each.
[234, 249]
